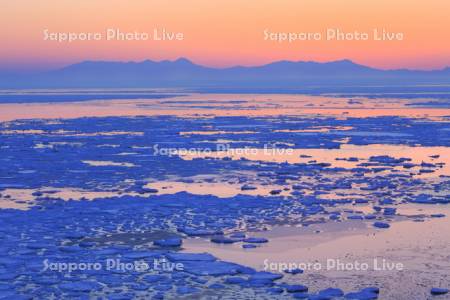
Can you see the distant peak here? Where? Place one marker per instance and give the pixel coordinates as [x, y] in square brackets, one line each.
[344, 62]
[182, 60]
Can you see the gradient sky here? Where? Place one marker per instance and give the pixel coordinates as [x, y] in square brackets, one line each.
[225, 32]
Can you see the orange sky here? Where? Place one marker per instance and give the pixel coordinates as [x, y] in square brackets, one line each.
[225, 32]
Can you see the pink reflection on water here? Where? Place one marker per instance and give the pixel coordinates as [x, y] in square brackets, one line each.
[416, 154]
[223, 105]
[420, 247]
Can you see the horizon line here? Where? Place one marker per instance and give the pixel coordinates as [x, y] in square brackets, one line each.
[183, 58]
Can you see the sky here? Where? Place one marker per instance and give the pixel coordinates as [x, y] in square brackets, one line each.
[224, 33]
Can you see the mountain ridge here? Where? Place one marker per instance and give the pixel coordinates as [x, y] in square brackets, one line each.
[182, 72]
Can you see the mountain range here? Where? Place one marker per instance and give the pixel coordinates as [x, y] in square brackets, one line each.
[186, 74]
